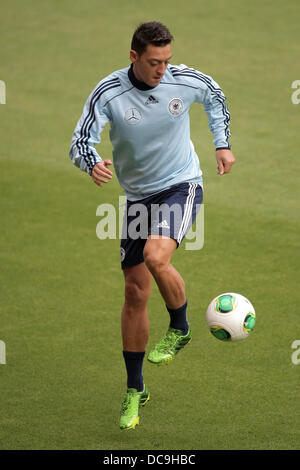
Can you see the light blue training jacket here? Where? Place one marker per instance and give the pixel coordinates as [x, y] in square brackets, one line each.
[150, 128]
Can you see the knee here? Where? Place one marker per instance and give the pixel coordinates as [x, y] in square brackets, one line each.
[136, 292]
[154, 259]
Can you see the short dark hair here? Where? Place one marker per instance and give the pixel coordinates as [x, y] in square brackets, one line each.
[154, 33]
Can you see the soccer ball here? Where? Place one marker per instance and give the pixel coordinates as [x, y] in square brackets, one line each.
[230, 317]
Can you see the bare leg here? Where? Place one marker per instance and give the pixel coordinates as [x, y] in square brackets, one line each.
[135, 321]
[157, 255]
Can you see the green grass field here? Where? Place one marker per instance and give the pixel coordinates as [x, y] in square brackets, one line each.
[62, 288]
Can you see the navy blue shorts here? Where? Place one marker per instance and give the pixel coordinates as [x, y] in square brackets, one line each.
[170, 213]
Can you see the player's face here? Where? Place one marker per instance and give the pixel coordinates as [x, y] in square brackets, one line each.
[150, 66]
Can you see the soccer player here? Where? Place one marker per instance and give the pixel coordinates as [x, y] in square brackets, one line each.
[147, 106]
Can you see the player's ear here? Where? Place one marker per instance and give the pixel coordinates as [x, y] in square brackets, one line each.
[133, 56]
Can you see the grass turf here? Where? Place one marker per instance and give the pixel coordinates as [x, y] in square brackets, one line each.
[61, 287]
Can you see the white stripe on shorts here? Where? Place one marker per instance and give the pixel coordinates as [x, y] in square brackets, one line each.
[188, 207]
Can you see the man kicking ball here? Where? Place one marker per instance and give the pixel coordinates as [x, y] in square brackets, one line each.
[147, 105]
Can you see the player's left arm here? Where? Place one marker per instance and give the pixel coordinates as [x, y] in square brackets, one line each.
[214, 102]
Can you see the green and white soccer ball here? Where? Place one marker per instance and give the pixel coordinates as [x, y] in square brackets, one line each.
[230, 317]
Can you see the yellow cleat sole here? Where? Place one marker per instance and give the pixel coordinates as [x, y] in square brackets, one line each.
[146, 401]
[134, 423]
[163, 361]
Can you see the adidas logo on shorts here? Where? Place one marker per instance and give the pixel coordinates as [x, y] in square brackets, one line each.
[163, 224]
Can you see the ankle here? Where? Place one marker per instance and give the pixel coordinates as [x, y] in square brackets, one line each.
[178, 318]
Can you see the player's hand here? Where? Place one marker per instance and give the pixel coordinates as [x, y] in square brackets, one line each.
[225, 160]
[101, 173]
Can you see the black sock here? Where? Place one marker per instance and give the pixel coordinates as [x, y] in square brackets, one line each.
[134, 367]
[178, 319]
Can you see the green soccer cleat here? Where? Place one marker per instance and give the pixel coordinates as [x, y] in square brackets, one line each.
[170, 344]
[130, 407]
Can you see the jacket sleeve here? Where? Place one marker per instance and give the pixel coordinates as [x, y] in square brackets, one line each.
[87, 134]
[214, 102]
[208, 93]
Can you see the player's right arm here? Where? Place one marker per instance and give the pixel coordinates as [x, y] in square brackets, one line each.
[87, 134]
